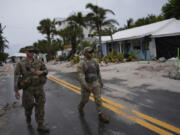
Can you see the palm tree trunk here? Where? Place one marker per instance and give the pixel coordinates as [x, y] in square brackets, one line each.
[49, 38]
[100, 42]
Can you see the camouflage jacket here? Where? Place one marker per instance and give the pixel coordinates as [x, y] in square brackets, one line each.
[89, 72]
[25, 76]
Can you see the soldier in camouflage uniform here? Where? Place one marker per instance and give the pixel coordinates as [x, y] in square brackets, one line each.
[91, 82]
[30, 75]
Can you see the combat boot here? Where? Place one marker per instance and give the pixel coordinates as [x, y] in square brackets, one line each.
[42, 128]
[103, 118]
[80, 109]
[28, 121]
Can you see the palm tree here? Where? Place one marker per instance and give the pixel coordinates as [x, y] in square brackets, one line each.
[75, 36]
[130, 23]
[76, 21]
[77, 18]
[46, 26]
[74, 30]
[97, 19]
[63, 34]
[3, 41]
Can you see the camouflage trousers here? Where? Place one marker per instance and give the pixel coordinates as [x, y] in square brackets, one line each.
[96, 90]
[34, 97]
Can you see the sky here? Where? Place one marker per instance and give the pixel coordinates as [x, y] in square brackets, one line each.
[21, 17]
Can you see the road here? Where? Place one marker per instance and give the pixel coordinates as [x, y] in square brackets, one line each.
[63, 96]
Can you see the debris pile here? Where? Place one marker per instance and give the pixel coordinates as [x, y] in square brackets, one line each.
[175, 74]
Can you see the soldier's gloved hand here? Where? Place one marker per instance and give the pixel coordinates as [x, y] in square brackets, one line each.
[88, 89]
[38, 72]
[17, 95]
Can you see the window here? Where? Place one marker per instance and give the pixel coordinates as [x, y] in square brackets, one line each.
[136, 44]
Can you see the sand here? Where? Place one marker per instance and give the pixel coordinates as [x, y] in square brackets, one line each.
[131, 74]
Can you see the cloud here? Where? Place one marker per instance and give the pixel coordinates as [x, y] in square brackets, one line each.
[22, 17]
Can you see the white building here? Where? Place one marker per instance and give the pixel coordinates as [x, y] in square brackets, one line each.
[159, 39]
[18, 57]
[64, 24]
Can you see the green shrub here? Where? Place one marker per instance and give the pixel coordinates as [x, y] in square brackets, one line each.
[3, 56]
[120, 57]
[98, 60]
[76, 59]
[131, 57]
[111, 56]
[105, 59]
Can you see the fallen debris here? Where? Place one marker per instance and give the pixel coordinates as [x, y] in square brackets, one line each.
[175, 74]
[162, 59]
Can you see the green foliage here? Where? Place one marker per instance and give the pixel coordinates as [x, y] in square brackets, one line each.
[105, 59]
[43, 46]
[120, 56]
[46, 26]
[64, 35]
[108, 31]
[130, 23]
[98, 60]
[85, 44]
[3, 56]
[97, 19]
[111, 56]
[148, 20]
[171, 9]
[142, 21]
[76, 59]
[3, 41]
[131, 57]
[73, 33]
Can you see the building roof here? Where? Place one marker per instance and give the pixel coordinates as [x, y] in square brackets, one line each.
[168, 27]
[172, 29]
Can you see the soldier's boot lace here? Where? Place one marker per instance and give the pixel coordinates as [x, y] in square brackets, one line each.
[103, 118]
[43, 128]
[80, 109]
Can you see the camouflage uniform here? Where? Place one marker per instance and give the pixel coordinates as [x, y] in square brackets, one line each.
[89, 76]
[32, 85]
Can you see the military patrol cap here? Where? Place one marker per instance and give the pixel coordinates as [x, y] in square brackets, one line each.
[88, 50]
[30, 49]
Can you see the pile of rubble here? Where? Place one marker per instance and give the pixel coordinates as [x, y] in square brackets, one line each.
[175, 74]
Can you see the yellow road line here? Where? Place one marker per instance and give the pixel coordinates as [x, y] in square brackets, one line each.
[158, 122]
[65, 85]
[104, 99]
[73, 86]
[151, 119]
[136, 120]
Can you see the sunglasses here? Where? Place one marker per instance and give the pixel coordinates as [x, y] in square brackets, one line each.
[90, 51]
